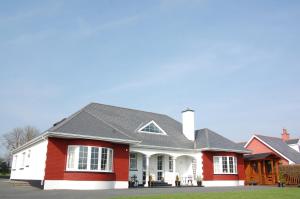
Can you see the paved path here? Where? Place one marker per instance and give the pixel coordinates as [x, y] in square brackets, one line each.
[8, 191]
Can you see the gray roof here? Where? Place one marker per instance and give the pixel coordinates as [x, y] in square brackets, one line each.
[101, 120]
[210, 140]
[281, 147]
[122, 123]
[292, 141]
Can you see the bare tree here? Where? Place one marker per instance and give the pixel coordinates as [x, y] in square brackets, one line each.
[19, 136]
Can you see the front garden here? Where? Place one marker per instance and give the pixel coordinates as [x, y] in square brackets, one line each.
[278, 193]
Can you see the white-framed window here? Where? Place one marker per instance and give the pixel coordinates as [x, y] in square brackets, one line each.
[144, 163]
[28, 158]
[23, 160]
[225, 165]
[170, 164]
[152, 127]
[133, 161]
[14, 163]
[89, 158]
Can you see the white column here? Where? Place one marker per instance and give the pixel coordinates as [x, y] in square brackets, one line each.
[174, 170]
[147, 170]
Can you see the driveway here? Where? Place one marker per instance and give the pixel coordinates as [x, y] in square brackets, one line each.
[7, 191]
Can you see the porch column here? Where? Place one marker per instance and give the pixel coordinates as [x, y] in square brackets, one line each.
[174, 170]
[147, 169]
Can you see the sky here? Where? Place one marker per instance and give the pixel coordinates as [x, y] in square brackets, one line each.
[236, 63]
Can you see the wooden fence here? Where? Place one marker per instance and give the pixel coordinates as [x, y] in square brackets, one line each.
[290, 174]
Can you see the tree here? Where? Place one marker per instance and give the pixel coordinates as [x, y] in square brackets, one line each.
[19, 136]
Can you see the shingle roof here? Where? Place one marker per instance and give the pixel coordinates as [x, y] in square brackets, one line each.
[292, 141]
[207, 139]
[101, 120]
[122, 123]
[281, 147]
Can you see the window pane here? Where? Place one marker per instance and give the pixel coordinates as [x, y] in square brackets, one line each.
[71, 157]
[152, 128]
[231, 165]
[94, 158]
[159, 162]
[104, 159]
[133, 161]
[170, 164]
[83, 154]
[216, 164]
[234, 165]
[144, 162]
[224, 163]
[110, 164]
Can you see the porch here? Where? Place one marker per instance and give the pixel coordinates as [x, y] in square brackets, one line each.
[162, 169]
[261, 169]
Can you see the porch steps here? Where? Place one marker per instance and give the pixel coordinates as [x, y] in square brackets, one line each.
[160, 184]
[19, 183]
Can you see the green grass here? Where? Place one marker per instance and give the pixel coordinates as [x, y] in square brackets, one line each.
[280, 193]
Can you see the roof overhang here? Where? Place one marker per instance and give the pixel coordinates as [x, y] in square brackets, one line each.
[226, 150]
[256, 137]
[47, 134]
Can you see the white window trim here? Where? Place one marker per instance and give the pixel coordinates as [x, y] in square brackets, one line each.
[76, 160]
[234, 162]
[136, 162]
[162, 131]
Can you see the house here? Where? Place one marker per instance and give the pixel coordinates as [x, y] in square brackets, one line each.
[261, 166]
[108, 147]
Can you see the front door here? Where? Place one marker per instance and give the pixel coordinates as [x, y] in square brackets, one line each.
[269, 173]
[160, 167]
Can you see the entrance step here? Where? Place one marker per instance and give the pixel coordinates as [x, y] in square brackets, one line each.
[19, 183]
[160, 184]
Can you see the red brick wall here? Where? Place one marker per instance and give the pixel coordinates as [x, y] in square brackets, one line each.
[257, 146]
[57, 158]
[208, 166]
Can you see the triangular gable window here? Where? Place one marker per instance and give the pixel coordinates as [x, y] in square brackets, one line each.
[152, 127]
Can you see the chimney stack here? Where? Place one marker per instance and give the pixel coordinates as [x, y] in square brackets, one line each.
[285, 135]
[188, 124]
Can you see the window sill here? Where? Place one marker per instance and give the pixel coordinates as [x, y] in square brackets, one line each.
[225, 173]
[88, 171]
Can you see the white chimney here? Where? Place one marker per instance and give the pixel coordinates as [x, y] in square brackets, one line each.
[188, 124]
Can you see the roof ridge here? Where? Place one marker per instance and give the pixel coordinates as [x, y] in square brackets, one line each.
[268, 136]
[131, 109]
[112, 126]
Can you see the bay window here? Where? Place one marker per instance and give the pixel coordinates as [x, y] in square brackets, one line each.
[89, 158]
[225, 165]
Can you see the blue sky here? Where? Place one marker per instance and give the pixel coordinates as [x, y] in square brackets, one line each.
[236, 63]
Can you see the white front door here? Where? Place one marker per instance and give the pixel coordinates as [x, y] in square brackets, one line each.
[160, 168]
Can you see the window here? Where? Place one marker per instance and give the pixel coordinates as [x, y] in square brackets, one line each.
[89, 158]
[15, 159]
[225, 165]
[23, 160]
[160, 162]
[94, 158]
[83, 157]
[28, 158]
[133, 161]
[170, 164]
[152, 127]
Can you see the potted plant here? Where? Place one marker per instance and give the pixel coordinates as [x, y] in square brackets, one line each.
[150, 181]
[199, 181]
[177, 181]
[282, 180]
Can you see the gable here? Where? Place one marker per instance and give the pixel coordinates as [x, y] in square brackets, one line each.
[152, 127]
[256, 146]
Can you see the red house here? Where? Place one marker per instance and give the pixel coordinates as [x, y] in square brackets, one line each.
[107, 147]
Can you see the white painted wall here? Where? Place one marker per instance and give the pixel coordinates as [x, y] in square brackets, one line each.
[223, 183]
[84, 185]
[188, 124]
[34, 167]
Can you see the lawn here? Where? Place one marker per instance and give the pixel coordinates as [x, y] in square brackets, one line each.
[280, 193]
